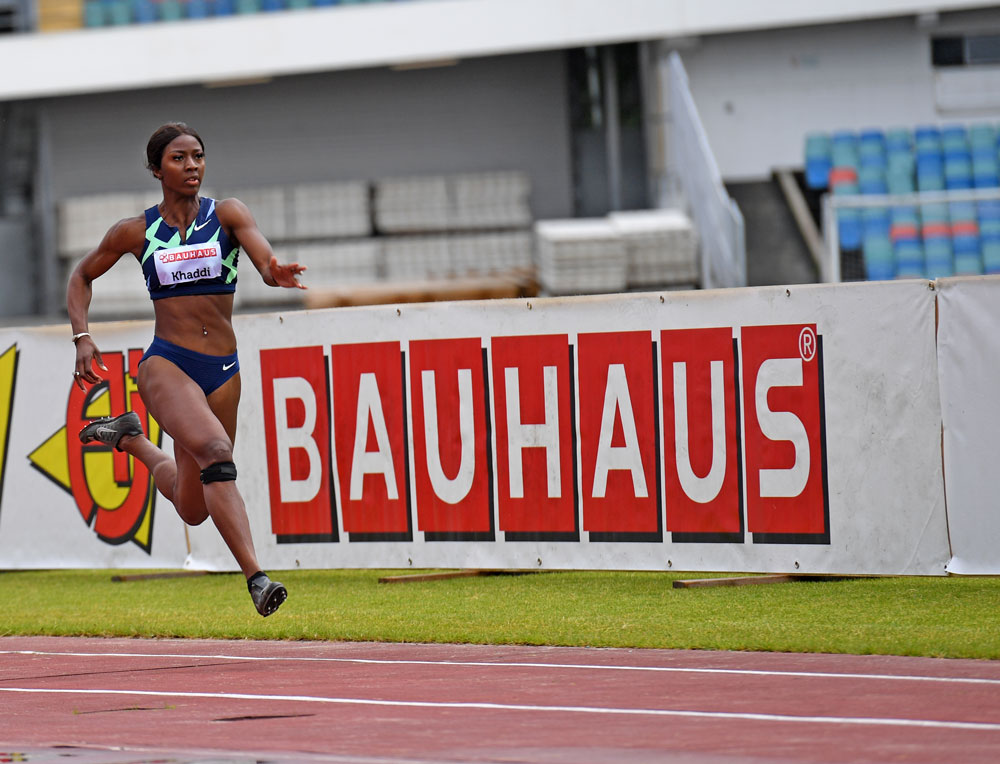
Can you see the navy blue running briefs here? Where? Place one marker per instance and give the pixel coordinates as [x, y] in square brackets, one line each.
[210, 372]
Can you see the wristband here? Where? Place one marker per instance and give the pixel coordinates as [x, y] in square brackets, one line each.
[80, 336]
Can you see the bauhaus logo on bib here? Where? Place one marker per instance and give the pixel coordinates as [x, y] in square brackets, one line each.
[192, 262]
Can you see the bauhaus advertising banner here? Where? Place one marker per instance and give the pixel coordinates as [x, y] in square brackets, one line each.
[771, 429]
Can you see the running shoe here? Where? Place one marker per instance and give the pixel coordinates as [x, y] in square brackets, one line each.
[267, 595]
[111, 430]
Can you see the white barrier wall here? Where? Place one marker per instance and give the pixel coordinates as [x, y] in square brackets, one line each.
[741, 430]
[969, 357]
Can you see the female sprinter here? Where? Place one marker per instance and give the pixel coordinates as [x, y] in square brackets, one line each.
[189, 377]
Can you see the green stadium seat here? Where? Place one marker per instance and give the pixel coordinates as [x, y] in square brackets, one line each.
[117, 12]
[93, 13]
[171, 10]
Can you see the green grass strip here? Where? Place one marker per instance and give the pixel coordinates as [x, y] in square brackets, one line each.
[944, 617]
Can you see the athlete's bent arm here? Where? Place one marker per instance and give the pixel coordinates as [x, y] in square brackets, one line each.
[236, 216]
[120, 240]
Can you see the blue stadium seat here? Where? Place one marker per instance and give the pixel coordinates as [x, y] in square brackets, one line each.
[817, 144]
[849, 227]
[843, 182]
[899, 140]
[871, 149]
[968, 258]
[143, 11]
[844, 149]
[982, 136]
[879, 261]
[989, 217]
[197, 9]
[985, 167]
[819, 160]
[954, 138]
[930, 173]
[871, 180]
[817, 172]
[927, 141]
[957, 172]
[905, 214]
[909, 256]
[990, 244]
[938, 257]
[900, 179]
[876, 221]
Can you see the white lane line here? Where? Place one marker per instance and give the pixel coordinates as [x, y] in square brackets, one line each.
[862, 721]
[494, 664]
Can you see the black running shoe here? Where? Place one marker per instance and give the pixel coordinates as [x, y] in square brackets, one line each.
[267, 595]
[111, 430]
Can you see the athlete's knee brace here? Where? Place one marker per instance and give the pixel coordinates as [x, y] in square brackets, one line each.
[218, 472]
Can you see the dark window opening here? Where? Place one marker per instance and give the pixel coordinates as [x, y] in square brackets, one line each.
[965, 50]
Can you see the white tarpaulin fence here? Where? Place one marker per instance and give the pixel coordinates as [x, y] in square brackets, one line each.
[969, 361]
[770, 429]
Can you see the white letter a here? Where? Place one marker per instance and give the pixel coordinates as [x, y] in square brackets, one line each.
[371, 462]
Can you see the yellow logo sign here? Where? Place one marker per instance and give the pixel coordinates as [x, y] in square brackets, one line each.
[8, 371]
[113, 491]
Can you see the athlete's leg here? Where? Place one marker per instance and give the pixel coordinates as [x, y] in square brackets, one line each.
[186, 494]
[189, 498]
[201, 431]
[159, 463]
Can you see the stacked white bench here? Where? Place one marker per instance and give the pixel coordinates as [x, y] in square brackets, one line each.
[624, 250]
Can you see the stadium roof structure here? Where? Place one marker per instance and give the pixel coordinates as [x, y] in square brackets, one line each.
[256, 47]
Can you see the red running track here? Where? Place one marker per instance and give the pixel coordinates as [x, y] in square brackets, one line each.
[137, 700]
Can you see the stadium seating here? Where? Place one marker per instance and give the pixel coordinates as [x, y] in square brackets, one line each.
[928, 240]
[103, 13]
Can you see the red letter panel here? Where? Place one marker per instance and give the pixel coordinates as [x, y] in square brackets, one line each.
[782, 398]
[701, 448]
[534, 426]
[297, 439]
[369, 433]
[618, 433]
[451, 458]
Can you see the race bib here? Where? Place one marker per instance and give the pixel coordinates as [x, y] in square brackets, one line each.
[192, 262]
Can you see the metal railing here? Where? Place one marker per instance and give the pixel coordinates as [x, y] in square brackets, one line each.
[716, 216]
[832, 204]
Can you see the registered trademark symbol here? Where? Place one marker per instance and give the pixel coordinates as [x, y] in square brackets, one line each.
[807, 343]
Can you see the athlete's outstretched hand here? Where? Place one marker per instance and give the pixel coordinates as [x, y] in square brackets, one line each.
[87, 355]
[284, 274]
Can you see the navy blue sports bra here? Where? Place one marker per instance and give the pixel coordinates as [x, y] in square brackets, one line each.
[205, 263]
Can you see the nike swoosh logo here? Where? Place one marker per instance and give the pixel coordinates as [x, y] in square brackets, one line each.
[228, 366]
[199, 227]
